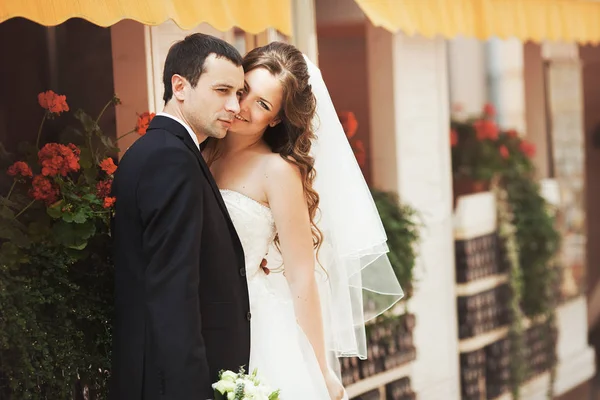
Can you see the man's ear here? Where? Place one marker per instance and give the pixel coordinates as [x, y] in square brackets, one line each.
[178, 84]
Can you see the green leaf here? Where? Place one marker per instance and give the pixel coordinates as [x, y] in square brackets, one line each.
[16, 232]
[73, 235]
[38, 229]
[77, 254]
[109, 145]
[55, 210]
[80, 246]
[89, 197]
[219, 396]
[89, 125]
[90, 175]
[20, 199]
[6, 213]
[274, 395]
[71, 195]
[79, 217]
[403, 235]
[8, 203]
[85, 158]
[107, 142]
[14, 235]
[12, 254]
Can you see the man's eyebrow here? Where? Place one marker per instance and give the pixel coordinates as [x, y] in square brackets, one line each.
[221, 84]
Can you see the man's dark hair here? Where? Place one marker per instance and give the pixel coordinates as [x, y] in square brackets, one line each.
[187, 57]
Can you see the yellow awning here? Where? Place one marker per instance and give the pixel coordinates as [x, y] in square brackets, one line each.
[250, 15]
[537, 20]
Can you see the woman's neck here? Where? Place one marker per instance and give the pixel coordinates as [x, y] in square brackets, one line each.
[233, 143]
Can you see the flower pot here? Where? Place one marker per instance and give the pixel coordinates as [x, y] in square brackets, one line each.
[464, 186]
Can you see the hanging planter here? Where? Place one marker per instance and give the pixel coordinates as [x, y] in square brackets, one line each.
[484, 158]
[464, 185]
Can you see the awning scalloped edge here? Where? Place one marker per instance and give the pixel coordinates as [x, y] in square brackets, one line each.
[535, 20]
[252, 16]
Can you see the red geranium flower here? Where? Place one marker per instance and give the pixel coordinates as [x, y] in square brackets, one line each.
[108, 166]
[109, 202]
[453, 137]
[349, 123]
[58, 159]
[486, 129]
[143, 122]
[44, 190]
[53, 102]
[489, 110]
[527, 148]
[20, 168]
[103, 188]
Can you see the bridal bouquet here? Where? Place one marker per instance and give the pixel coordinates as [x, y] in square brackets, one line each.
[241, 386]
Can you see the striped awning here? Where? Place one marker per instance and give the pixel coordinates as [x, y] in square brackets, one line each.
[536, 20]
[253, 16]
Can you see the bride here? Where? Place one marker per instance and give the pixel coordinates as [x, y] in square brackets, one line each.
[297, 197]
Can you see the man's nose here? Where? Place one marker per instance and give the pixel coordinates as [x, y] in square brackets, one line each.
[233, 105]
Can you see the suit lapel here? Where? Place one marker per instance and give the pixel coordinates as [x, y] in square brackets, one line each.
[174, 127]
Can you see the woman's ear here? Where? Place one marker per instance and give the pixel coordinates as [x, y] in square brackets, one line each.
[274, 122]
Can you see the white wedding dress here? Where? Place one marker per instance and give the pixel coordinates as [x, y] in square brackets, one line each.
[279, 349]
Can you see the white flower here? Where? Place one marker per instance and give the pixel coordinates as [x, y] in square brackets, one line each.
[228, 376]
[261, 392]
[254, 389]
[265, 389]
[250, 389]
[224, 386]
[263, 396]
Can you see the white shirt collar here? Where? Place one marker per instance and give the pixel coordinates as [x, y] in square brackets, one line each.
[186, 126]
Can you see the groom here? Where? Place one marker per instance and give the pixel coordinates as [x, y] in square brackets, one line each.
[182, 310]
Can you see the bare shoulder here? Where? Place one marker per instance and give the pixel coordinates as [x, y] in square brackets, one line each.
[278, 171]
[284, 189]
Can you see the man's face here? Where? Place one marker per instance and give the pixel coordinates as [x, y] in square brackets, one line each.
[211, 106]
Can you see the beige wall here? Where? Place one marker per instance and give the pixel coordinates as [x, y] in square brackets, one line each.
[535, 106]
[590, 56]
[130, 76]
[305, 28]
[506, 89]
[467, 74]
[338, 12]
[409, 126]
[343, 63]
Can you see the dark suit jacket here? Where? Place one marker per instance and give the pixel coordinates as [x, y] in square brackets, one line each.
[182, 309]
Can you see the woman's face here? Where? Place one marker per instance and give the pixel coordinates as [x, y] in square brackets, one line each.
[260, 103]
